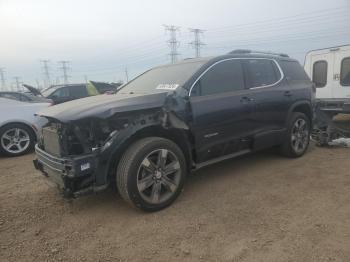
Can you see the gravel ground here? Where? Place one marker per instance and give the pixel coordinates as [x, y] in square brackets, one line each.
[260, 207]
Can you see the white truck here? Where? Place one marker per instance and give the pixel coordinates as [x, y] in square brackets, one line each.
[329, 69]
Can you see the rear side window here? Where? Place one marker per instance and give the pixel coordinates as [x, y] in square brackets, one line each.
[226, 76]
[293, 71]
[78, 91]
[261, 72]
[319, 73]
[345, 72]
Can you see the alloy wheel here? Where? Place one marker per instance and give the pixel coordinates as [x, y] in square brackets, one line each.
[15, 140]
[158, 176]
[300, 135]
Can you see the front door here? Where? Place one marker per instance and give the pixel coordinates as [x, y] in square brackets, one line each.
[341, 75]
[223, 111]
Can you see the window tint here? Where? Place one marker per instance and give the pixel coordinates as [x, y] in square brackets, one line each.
[293, 70]
[62, 92]
[319, 73]
[223, 77]
[345, 72]
[261, 72]
[78, 91]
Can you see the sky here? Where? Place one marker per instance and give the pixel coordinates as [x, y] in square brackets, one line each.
[104, 39]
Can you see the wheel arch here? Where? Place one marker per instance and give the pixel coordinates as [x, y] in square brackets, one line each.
[304, 107]
[27, 124]
[179, 136]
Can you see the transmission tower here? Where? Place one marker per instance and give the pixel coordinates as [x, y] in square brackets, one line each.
[46, 72]
[2, 77]
[173, 43]
[126, 74]
[197, 43]
[65, 68]
[17, 82]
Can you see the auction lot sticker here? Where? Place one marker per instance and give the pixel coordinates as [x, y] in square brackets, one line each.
[167, 86]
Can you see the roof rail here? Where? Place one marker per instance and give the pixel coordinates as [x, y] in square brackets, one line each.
[247, 51]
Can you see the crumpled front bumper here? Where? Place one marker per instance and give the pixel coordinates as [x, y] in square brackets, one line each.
[73, 176]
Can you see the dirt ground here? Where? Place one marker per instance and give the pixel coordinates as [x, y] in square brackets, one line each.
[260, 207]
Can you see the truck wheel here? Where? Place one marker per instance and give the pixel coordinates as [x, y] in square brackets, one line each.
[151, 173]
[16, 139]
[298, 136]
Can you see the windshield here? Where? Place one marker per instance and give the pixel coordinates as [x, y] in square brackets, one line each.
[48, 91]
[162, 79]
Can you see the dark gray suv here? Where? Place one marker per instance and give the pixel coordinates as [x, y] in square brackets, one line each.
[174, 119]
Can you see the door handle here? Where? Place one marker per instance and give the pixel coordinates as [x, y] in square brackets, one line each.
[287, 93]
[246, 99]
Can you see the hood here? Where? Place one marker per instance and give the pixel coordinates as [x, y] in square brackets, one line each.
[33, 90]
[103, 106]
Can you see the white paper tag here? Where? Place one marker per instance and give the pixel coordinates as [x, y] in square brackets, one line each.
[167, 86]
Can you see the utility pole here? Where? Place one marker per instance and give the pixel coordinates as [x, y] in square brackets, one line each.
[173, 43]
[197, 43]
[46, 72]
[65, 67]
[2, 77]
[126, 74]
[86, 79]
[18, 83]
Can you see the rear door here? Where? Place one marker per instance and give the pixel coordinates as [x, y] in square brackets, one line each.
[322, 74]
[222, 111]
[341, 75]
[270, 93]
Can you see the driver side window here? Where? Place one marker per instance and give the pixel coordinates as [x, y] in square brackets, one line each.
[62, 92]
[226, 76]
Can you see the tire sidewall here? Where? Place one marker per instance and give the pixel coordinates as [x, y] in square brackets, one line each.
[132, 188]
[20, 126]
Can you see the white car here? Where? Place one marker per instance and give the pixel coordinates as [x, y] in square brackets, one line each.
[17, 126]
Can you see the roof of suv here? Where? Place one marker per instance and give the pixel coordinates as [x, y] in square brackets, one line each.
[238, 54]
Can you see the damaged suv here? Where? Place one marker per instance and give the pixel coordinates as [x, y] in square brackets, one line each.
[174, 119]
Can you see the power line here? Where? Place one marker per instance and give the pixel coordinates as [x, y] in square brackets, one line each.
[197, 43]
[3, 81]
[65, 67]
[173, 43]
[46, 72]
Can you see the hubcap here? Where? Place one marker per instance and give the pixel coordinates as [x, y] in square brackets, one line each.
[158, 176]
[15, 140]
[300, 136]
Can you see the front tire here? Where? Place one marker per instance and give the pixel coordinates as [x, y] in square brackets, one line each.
[298, 136]
[151, 173]
[16, 140]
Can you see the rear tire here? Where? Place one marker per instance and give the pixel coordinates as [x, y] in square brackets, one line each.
[298, 136]
[151, 173]
[16, 140]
